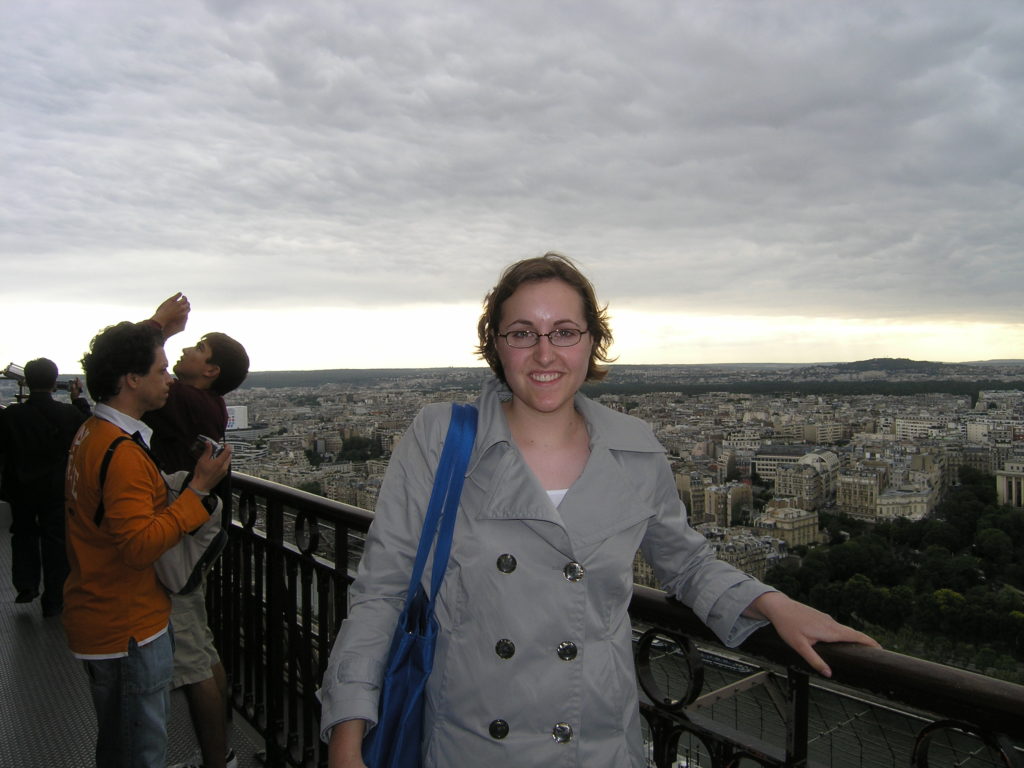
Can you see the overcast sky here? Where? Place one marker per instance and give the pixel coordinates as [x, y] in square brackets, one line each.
[337, 184]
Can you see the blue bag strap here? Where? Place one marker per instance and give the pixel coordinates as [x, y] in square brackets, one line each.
[442, 509]
[466, 414]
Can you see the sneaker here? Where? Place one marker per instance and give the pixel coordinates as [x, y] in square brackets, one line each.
[231, 761]
[27, 596]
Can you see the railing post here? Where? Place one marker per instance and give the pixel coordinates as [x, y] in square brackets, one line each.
[798, 710]
[664, 741]
[275, 663]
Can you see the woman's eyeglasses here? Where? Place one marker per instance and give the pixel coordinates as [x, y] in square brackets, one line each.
[560, 337]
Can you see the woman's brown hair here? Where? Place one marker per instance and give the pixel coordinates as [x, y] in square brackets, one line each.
[550, 266]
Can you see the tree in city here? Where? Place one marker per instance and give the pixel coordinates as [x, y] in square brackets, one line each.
[946, 586]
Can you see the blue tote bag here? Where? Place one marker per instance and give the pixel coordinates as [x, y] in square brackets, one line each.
[396, 740]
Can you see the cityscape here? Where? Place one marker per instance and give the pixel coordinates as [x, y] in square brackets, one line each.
[789, 213]
[772, 463]
[808, 477]
[871, 456]
[760, 452]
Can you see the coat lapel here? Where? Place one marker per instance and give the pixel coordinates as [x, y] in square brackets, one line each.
[510, 491]
[601, 503]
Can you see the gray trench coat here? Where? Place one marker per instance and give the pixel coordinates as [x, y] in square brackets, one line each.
[534, 664]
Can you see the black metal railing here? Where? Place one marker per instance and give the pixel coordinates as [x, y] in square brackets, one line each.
[921, 713]
[279, 594]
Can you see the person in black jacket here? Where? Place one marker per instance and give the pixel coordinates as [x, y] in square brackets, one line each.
[34, 440]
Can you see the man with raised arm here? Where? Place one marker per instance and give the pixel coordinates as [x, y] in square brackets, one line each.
[116, 612]
[216, 365]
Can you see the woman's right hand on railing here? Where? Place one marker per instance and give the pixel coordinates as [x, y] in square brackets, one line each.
[345, 749]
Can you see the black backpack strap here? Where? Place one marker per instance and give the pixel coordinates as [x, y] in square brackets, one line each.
[100, 511]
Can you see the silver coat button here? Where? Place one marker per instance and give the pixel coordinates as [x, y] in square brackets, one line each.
[567, 651]
[562, 733]
[573, 571]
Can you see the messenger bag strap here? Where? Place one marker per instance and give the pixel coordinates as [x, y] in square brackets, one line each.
[439, 522]
[104, 466]
[465, 416]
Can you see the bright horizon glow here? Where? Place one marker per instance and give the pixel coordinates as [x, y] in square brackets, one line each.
[315, 338]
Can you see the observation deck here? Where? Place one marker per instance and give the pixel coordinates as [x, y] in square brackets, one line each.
[279, 593]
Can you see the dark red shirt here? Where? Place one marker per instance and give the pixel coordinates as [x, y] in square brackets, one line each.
[189, 412]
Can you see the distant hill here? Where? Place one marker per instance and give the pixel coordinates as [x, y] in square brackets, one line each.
[902, 365]
[470, 377]
[895, 365]
[446, 377]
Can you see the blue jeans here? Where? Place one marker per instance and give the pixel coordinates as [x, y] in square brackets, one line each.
[131, 696]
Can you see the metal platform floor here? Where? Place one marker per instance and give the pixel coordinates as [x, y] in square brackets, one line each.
[46, 715]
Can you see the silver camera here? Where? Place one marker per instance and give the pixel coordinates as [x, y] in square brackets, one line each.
[217, 447]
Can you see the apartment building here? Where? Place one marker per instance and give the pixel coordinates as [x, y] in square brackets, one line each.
[910, 504]
[980, 457]
[769, 458]
[827, 432]
[858, 490]
[803, 483]
[1010, 483]
[751, 554]
[915, 428]
[723, 503]
[795, 526]
[690, 486]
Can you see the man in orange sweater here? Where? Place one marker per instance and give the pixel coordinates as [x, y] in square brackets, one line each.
[116, 612]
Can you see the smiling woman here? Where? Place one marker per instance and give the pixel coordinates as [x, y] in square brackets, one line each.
[534, 660]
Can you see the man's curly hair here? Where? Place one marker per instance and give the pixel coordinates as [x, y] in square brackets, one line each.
[116, 351]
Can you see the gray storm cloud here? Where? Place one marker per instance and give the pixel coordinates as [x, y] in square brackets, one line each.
[847, 160]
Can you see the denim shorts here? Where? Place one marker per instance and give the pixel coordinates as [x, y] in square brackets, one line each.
[131, 696]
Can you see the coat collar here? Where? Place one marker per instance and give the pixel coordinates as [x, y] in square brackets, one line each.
[608, 429]
[602, 501]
